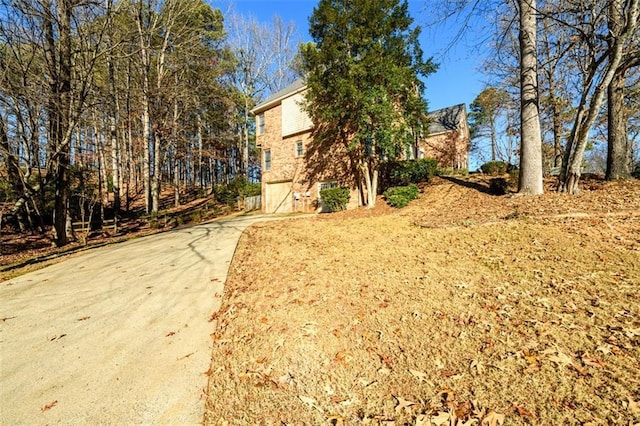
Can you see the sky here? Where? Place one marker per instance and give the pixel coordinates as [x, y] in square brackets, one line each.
[458, 79]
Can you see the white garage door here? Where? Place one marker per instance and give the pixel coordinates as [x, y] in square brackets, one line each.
[278, 197]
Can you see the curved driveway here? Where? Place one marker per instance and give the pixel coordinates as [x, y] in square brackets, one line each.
[119, 335]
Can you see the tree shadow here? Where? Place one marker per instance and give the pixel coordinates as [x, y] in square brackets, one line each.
[485, 189]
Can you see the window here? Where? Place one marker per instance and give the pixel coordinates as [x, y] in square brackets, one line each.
[260, 124]
[267, 159]
[327, 185]
[299, 149]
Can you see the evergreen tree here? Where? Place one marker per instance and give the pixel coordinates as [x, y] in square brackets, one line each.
[364, 92]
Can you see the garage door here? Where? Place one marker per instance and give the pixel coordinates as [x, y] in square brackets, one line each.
[278, 197]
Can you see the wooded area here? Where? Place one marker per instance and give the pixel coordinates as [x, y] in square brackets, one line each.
[587, 88]
[106, 102]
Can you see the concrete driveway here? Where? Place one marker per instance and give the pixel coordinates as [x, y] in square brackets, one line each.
[119, 335]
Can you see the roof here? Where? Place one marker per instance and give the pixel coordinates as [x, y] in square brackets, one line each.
[446, 119]
[276, 98]
[441, 120]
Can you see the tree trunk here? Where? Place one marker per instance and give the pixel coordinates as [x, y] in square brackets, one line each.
[618, 161]
[370, 173]
[113, 134]
[530, 181]
[145, 106]
[60, 110]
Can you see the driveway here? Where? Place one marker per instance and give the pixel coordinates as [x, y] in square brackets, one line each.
[120, 335]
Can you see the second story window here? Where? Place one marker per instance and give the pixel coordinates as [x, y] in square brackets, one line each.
[299, 149]
[260, 124]
[267, 159]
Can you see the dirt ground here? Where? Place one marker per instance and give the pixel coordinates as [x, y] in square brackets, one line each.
[461, 309]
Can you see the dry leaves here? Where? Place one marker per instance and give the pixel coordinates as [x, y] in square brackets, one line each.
[310, 402]
[403, 404]
[49, 406]
[492, 419]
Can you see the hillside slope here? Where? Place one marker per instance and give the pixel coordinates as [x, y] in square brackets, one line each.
[462, 306]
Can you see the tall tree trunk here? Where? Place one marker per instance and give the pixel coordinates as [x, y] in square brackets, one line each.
[59, 113]
[618, 161]
[145, 106]
[530, 181]
[245, 145]
[13, 176]
[494, 142]
[113, 135]
[199, 141]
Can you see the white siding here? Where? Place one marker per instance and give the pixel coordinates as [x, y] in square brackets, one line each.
[294, 118]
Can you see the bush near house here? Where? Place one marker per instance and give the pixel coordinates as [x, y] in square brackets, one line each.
[335, 199]
[494, 168]
[402, 173]
[400, 196]
[239, 187]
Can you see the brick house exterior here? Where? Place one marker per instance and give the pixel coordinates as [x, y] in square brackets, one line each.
[291, 184]
[448, 139]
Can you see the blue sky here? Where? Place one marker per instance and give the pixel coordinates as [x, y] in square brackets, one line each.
[458, 80]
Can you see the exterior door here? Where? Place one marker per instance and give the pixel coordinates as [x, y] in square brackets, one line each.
[279, 198]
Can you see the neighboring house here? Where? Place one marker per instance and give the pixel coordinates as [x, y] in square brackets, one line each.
[448, 139]
[291, 183]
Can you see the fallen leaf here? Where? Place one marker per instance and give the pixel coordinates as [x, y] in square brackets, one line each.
[492, 419]
[337, 399]
[462, 410]
[403, 403]
[477, 365]
[310, 402]
[605, 349]
[561, 359]
[49, 406]
[310, 329]
[343, 357]
[522, 412]
[593, 362]
[422, 377]
[171, 333]
[441, 419]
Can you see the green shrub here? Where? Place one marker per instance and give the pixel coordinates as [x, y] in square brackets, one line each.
[400, 196]
[494, 168]
[402, 173]
[224, 194]
[450, 171]
[251, 189]
[239, 187]
[335, 199]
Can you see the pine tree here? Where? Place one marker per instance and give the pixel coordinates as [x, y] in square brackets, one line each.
[364, 92]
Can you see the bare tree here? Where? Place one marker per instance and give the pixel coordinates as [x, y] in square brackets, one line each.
[265, 55]
[601, 67]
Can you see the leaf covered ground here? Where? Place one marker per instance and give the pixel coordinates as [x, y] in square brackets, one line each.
[461, 309]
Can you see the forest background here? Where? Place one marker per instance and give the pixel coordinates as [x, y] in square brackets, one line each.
[104, 103]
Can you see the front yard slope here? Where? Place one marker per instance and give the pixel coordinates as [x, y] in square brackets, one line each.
[463, 306]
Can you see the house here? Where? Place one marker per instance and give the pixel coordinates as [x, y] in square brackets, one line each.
[292, 180]
[448, 138]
